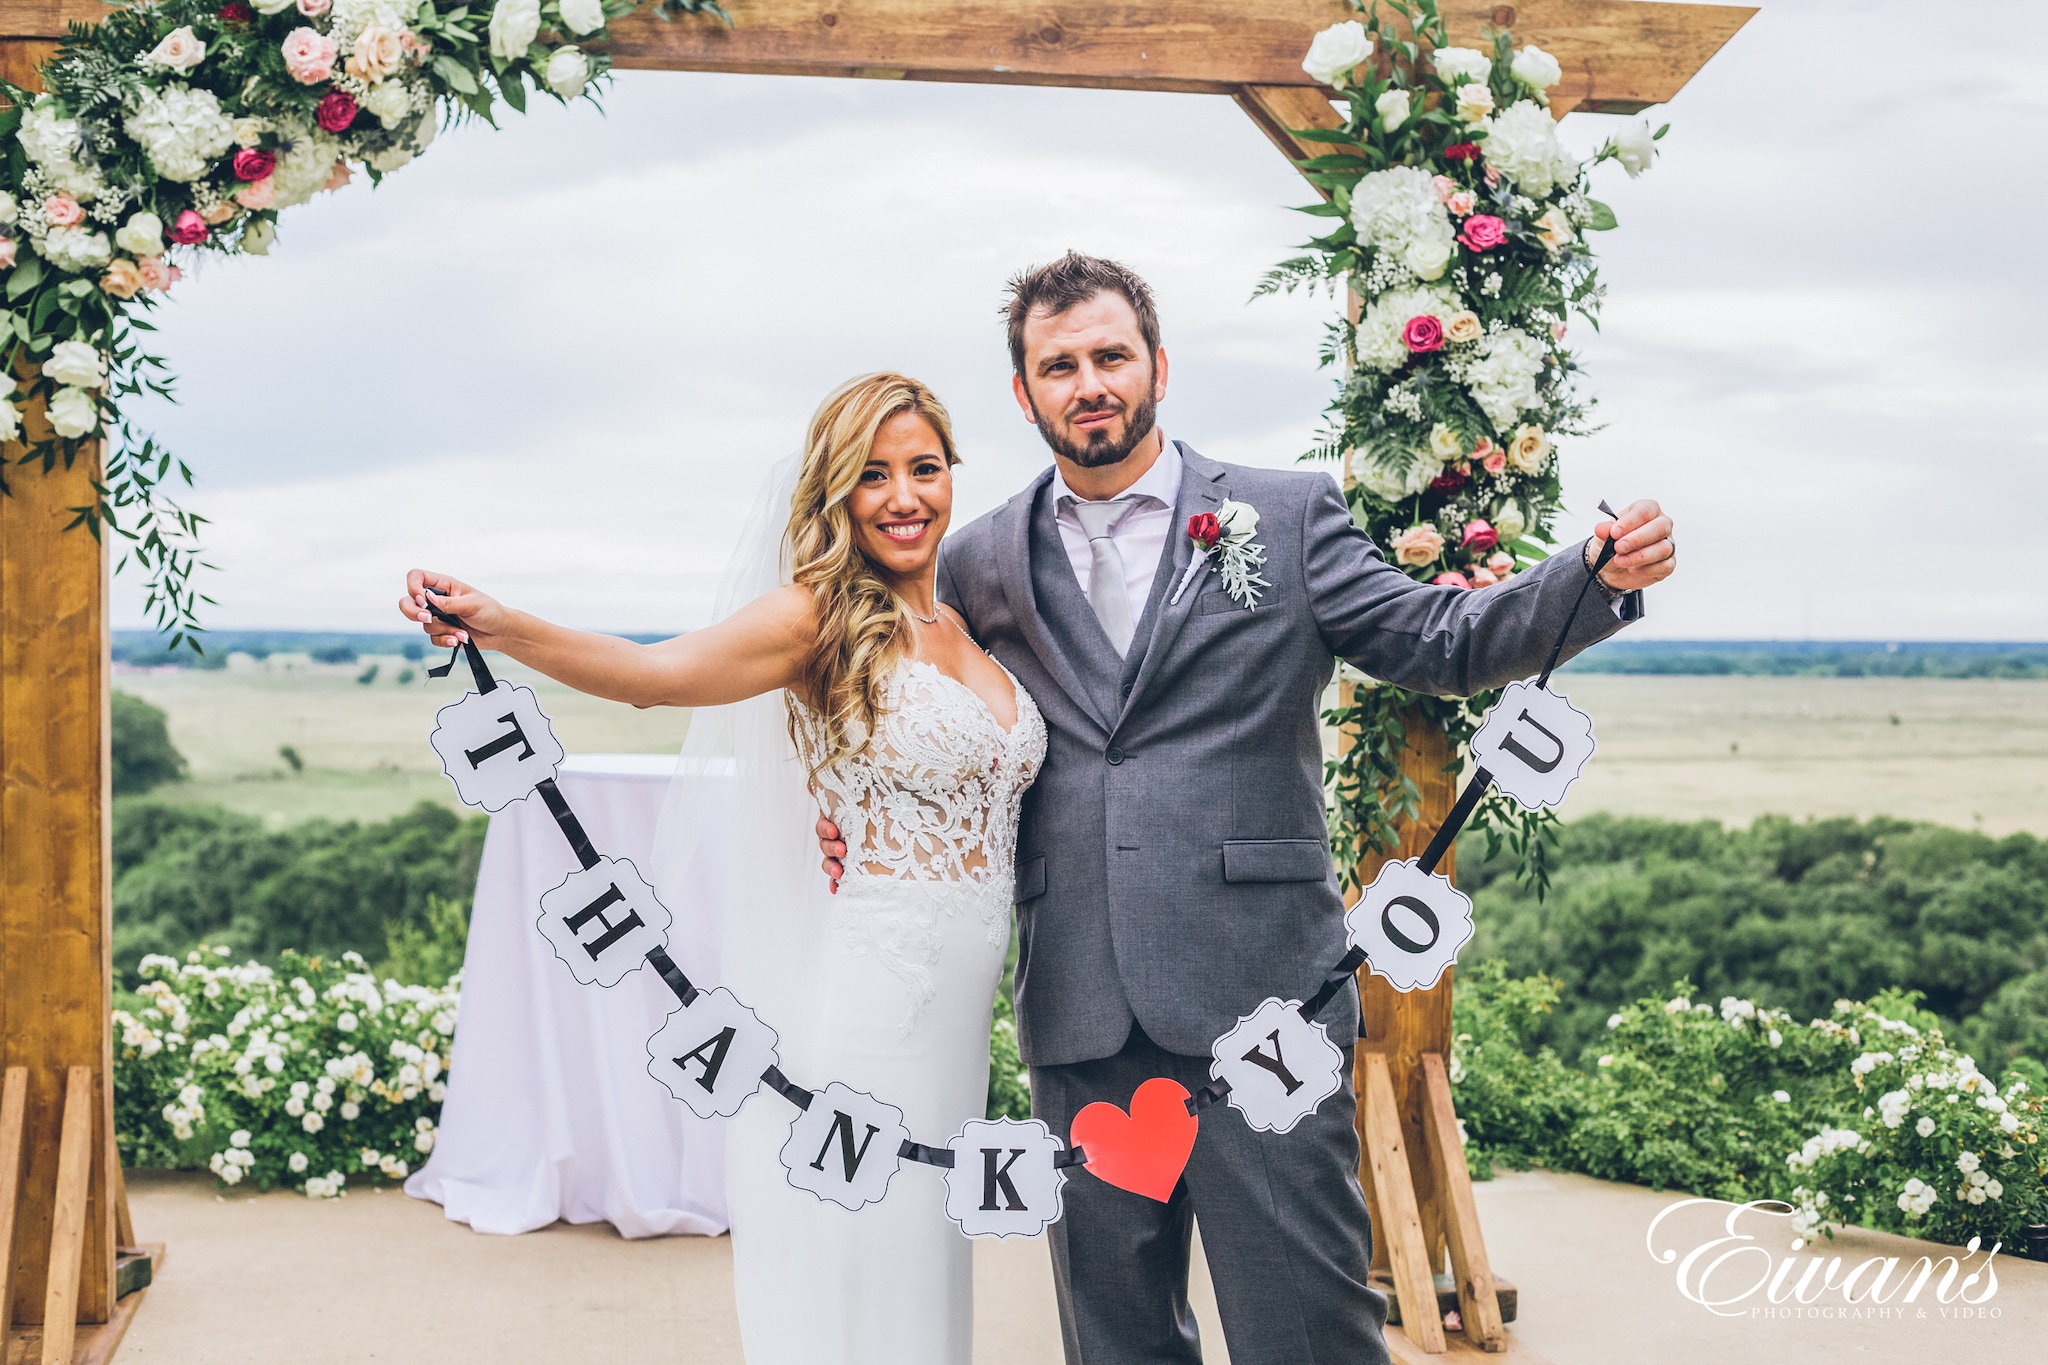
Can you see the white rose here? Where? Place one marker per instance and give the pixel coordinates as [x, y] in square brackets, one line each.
[312, 1123]
[1336, 50]
[514, 23]
[10, 422]
[1455, 64]
[1392, 107]
[346, 1021]
[271, 6]
[1428, 259]
[582, 16]
[568, 72]
[349, 1110]
[296, 1161]
[1925, 1127]
[77, 363]
[1635, 147]
[1239, 521]
[390, 101]
[294, 1106]
[1535, 67]
[141, 235]
[239, 1138]
[1475, 102]
[259, 237]
[180, 50]
[1509, 525]
[10, 209]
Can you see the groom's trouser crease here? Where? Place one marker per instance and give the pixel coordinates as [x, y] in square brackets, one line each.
[1283, 1224]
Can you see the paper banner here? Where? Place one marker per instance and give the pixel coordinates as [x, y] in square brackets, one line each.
[1003, 1181]
[845, 1146]
[710, 1054]
[496, 746]
[1410, 924]
[1279, 1065]
[1535, 743]
[602, 920]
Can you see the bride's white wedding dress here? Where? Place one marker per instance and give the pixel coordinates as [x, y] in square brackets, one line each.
[897, 1003]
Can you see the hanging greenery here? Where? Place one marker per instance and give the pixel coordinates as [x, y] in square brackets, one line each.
[1459, 242]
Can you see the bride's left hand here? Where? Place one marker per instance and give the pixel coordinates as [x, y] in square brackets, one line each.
[834, 849]
[1644, 552]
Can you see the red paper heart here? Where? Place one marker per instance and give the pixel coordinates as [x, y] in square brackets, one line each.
[1145, 1150]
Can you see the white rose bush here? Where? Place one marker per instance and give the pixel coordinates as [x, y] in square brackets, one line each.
[313, 1075]
[177, 128]
[1459, 236]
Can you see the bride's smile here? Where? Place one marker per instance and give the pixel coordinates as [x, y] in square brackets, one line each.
[903, 504]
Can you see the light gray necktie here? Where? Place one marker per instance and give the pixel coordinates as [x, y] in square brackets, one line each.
[1106, 590]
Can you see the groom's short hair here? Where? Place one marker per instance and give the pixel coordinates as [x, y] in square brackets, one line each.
[1054, 288]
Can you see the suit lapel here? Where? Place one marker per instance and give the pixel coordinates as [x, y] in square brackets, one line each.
[1013, 528]
[1201, 490]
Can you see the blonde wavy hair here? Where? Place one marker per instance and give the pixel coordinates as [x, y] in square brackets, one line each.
[862, 626]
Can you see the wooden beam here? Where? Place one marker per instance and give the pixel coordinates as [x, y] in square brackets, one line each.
[13, 1127]
[1478, 1301]
[1618, 55]
[1399, 1228]
[67, 1222]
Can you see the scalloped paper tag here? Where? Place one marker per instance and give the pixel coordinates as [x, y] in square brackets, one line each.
[845, 1147]
[496, 746]
[1535, 743]
[1003, 1182]
[1411, 924]
[602, 920]
[711, 1052]
[1280, 1066]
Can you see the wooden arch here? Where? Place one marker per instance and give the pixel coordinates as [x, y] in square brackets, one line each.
[62, 1215]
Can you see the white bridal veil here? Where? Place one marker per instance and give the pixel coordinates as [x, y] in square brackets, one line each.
[740, 852]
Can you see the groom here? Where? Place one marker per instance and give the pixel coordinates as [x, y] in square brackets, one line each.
[1173, 866]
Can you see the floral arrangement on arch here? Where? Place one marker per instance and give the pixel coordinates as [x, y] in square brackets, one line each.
[308, 1079]
[176, 128]
[1460, 233]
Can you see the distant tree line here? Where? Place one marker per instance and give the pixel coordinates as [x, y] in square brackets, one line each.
[1815, 659]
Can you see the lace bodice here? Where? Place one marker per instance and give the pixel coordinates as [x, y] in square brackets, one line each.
[936, 797]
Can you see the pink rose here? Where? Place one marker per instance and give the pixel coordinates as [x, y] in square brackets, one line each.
[1445, 187]
[1495, 462]
[1478, 536]
[1451, 580]
[1483, 578]
[1462, 203]
[6, 252]
[338, 177]
[1423, 334]
[376, 54]
[122, 279]
[313, 9]
[213, 215]
[155, 273]
[188, 229]
[1501, 563]
[1417, 546]
[1492, 177]
[257, 195]
[1483, 232]
[63, 211]
[1557, 331]
[308, 56]
[251, 164]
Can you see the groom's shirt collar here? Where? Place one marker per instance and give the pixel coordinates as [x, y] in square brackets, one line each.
[1140, 537]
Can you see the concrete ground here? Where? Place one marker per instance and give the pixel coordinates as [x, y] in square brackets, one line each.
[377, 1276]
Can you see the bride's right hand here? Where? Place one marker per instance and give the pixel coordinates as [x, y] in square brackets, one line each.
[485, 617]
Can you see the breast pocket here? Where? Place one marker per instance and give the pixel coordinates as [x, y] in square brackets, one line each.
[1275, 860]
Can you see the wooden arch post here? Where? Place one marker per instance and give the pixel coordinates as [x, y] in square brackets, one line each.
[57, 1251]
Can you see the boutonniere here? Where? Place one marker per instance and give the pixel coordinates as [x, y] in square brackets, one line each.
[1224, 536]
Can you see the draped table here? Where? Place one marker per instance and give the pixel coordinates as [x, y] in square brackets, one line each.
[551, 1113]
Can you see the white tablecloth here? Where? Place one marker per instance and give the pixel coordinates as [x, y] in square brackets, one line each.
[551, 1113]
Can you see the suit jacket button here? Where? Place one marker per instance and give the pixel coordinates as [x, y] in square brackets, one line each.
[1115, 756]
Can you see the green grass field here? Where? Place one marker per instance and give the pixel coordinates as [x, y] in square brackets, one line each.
[1965, 752]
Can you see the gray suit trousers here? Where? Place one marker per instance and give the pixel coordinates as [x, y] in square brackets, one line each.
[1283, 1223]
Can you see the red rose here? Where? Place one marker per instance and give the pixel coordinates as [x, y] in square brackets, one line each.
[1450, 481]
[188, 229]
[1423, 333]
[251, 164]
[236, 12]
[1451, 579]
[337, 111]
[1462, 151]
[1205, 530]
[1479, 536]
[1483, 232]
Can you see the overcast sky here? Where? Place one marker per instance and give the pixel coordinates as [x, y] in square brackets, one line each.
[554, 359]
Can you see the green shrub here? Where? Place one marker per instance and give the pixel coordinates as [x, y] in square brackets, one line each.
[1516, 1100]
[1009, 1082]
[144, 756]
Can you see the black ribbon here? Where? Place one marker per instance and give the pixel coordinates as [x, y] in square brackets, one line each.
[572, 828]
[1069, 1156]
[1208, 1095]
[787, 1088]
[478, 669]
[930, 1156]
[665, 967]
[1339, 974]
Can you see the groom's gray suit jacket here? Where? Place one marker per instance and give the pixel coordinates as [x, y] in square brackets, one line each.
[1173, 866]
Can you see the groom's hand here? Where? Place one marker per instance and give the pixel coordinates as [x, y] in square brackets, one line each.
[1644, 552]
[834, 849]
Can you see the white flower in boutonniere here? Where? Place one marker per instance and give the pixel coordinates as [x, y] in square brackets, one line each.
[1225, 536]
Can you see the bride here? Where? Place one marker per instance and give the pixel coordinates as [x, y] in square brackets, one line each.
[897, 726]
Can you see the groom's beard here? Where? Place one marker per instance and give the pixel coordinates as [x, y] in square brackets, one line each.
[1100, 448]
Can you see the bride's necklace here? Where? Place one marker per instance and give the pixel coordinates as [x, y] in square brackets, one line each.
[931, 620]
